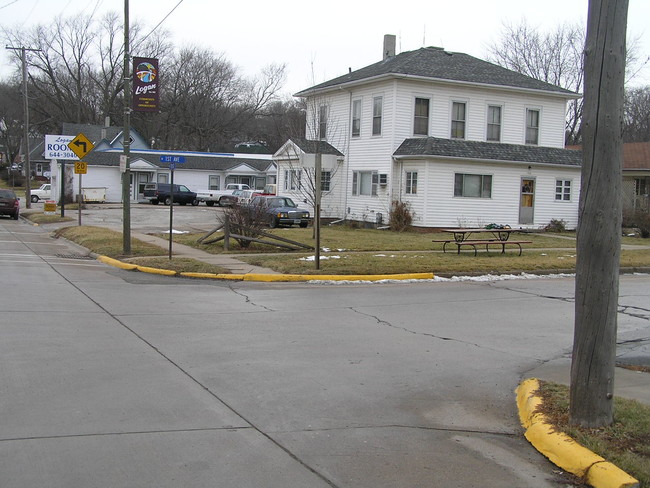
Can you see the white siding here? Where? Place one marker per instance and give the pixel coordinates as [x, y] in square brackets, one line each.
[436, 206]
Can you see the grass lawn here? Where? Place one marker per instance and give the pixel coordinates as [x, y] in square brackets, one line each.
[626, 443]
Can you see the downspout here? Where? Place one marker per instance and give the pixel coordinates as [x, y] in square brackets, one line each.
[346, 157]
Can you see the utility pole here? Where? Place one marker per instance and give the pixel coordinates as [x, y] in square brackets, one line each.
[126, 140]
[600, 218]
[28, 169]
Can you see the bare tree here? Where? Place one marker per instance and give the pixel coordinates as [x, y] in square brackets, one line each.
[636, 126]
[554, 57]
[600, 216]
[76, 74]
[11, 120]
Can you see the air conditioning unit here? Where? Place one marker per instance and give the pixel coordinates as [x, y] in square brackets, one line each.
[383, 179]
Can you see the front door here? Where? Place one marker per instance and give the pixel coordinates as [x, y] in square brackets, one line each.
[527, 201]
[142, 178]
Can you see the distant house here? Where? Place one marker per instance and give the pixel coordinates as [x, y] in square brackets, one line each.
[636, 176]
[464, 142]
[199, 171]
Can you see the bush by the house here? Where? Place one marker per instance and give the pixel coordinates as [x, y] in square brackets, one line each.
[401, 216]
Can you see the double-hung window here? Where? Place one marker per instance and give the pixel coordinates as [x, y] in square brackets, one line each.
[458, 120]
[421, 117]
[292, 179]
[411, 182]
[356, 118]
[213, 182]
[377, 110]
[473, 186]
[365, 183]
[494, 123]
[325, 180]
[562, 190]
[532, 126]
[322, 122]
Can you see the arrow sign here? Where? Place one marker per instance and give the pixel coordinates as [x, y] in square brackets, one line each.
[80, 145]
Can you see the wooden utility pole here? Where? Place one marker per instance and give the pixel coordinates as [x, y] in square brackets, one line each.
[600, 217]
[126, 140]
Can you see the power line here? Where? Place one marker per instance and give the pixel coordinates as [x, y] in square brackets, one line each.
[164, 19]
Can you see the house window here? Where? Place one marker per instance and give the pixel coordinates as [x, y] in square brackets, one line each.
[322, 122]
[292, 179]
[532, 126]
[356, 118]
[325, 180]
[458, 120]
[494, 123]
[642, 186]
[162, 178]
[213, 182]
[411, 182]
[365, 183]
[474, 186]
[377, 108]
[421, 117]
[563, 190]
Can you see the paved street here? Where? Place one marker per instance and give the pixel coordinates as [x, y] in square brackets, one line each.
[113, 378]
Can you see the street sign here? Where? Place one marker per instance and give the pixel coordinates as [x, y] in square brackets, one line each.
[81, 145]
[172, 159]
[56, 147]
[80, 167]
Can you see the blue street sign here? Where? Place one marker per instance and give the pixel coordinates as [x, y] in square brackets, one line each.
[172, 159]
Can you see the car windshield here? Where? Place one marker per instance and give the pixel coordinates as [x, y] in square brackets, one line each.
[7, 194]
[282, 202]
[183, 188]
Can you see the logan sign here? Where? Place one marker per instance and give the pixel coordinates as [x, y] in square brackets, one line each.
[145, 84]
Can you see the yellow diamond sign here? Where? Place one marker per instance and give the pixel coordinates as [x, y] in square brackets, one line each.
[80, 145]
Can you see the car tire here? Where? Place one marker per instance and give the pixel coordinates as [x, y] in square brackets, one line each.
[15, 216]
[34, 198]
[168, 201]
[195, 203]
[154, 202]
[303, 224]
[273, 223]
[210, 203]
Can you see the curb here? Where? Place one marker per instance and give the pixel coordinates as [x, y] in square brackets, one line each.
[264, 277]
[561, 449]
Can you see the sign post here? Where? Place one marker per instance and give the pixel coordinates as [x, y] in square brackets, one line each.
[56, 147]
[173, 161]
[81, 146]
[80, 168]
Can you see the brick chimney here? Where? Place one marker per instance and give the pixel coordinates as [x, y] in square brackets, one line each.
[389, 46]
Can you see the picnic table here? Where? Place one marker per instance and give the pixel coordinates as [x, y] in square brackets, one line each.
[499, 236]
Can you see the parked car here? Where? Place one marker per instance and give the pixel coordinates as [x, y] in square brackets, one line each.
[280, 211]
[9, 204]
[221, 197]
[245, 196]
[161, 192]
[43, 193]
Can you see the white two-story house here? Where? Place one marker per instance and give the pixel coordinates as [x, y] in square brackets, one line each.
[464, 142]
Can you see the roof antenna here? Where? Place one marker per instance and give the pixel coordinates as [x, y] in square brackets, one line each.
[424, 36]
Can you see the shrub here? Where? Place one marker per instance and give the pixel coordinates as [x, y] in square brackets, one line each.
[401, 216]
[246, 221]
[638, 219]
[555, 225]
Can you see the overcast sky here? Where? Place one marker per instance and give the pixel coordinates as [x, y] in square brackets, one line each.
[321, 40]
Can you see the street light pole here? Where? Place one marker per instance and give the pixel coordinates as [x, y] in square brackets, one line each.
[126, 140]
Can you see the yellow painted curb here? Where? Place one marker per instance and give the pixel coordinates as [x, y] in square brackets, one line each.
[309, 277]
[116, 263]
[164, 272]
[561, 449]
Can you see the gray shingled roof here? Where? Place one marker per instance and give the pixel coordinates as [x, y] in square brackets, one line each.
[199, 162]
[311, 147]
[436, 63]
[454, 148]
[92, 132]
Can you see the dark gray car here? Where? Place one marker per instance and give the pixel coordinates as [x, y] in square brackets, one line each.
[9, 204]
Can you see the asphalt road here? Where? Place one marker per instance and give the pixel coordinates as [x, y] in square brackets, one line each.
[115, 378]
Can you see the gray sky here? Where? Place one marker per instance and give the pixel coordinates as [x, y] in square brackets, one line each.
[321, 43]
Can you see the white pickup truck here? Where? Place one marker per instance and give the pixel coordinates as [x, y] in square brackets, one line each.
[221, 197]
[43, 193]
